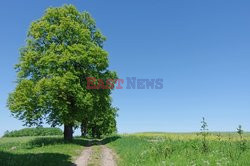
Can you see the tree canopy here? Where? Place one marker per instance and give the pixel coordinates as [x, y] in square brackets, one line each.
[63, 48]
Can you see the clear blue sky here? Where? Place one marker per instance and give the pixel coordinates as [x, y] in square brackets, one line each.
[200, 48]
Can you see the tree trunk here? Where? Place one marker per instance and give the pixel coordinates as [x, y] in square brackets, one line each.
[84, 129]
[68, 132]
[93, 132]
[98, 135]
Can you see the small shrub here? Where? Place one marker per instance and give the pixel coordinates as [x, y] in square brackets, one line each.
[204, 133]
[240, 131]
[242, 143]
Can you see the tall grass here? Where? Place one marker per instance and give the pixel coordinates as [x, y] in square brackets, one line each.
[175, 149]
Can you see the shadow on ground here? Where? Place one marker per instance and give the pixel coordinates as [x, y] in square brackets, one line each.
[31, 159]
[91, 142]
[38, 142]
[47, 159]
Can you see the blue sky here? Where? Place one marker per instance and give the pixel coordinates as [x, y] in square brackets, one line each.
[200, 49]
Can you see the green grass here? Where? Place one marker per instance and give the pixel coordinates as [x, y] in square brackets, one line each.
[46, 150]
[149, 149]
[39, 151]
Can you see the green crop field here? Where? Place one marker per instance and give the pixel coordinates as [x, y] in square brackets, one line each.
[182, 149]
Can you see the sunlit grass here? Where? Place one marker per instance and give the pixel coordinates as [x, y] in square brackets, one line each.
[190, 136]
[180, 149]
[37, 151]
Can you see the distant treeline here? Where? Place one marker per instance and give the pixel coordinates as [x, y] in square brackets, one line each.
[39, 131]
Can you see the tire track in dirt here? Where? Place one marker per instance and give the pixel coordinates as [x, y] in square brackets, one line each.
[108, 157]
[89, 156]
[83, 159]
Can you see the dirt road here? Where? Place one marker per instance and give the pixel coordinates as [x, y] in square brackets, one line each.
[99, 155]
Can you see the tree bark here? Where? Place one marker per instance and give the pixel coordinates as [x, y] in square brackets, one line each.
[68, 132]
[98, 135]
[93, 132]
[84, 129]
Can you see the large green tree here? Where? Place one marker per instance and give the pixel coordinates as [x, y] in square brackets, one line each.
[63, 48]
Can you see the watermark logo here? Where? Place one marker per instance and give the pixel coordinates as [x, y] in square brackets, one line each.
[128, 83]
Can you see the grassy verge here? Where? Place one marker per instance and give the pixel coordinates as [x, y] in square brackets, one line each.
[38, 151]
[185, 149]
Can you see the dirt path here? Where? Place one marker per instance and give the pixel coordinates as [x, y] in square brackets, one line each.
[83, 159]
[96, 155]
[108, 157]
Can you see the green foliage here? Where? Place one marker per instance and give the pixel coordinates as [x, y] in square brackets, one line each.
[63, 48]
[34, 132]
[242, 143]
[103, 123]
[204, 133]
[240, 131]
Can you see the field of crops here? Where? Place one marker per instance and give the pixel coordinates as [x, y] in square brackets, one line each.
[150, 149]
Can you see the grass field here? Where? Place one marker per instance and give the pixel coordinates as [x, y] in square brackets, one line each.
[38, 151]
[158, 149]
[141, 149]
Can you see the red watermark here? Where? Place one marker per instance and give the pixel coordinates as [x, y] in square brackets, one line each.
[128, 83]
